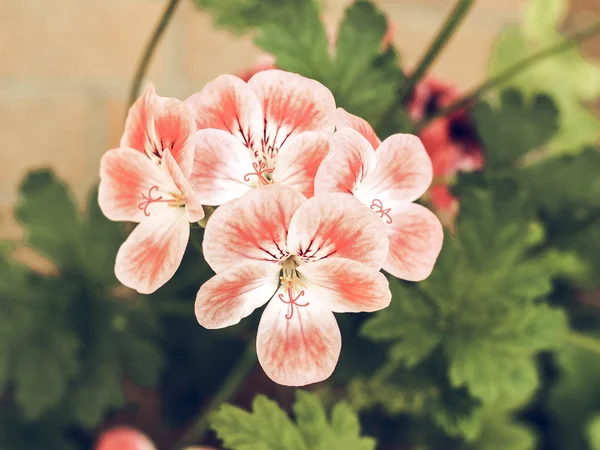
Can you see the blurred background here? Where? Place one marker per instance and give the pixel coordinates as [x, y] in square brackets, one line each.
[66, 68]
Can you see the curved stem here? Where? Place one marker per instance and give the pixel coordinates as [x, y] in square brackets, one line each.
[512, 71]
[583, 341]
[140, 72]
[230, 386]
[454, 19]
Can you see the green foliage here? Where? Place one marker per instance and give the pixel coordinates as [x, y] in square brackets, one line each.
[593, 432]
[68, 339]
[500, 432]
[515, 127]
[567, 77]
[481, 304]
[16, 434]
[360, 73]
[268, 427]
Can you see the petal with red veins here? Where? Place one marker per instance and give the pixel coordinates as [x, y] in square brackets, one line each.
[175, 130]
[415, 237]
[251, 228]
[351, 158]
[230, 296]
[227, 103]
[157, 123]
[303, 349]
[403, 171]
[153, 251]
[192, 202]
[346, 120]
[299, 160]
[221, 167]
[139, 126]
[337, 226]
[346, 285]
[127, 179]
[292, 104]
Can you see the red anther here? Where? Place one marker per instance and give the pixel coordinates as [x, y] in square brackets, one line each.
[291, 302]
[259, 169]
[377, 206]
[149, 200]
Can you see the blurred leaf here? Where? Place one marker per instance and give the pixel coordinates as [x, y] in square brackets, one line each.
[593, 432]
[500, 432]
[515, 127]
[268, 427]
[18, 434]
[567, 77]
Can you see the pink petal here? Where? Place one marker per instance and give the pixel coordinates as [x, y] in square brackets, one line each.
[291, 105]
[299, 160]
[346, 120]
[157, 123]
[175, 130]
[139, 127]
[227, 103]
[123, 438]
[127, 177]
[192, 203]
[403, 171]
[252, 228]
[350, 159]
[337, 226]
[228, 297]
[346, 285]
[301, 350]
[416, 238]
[221, 166]
[153, 251]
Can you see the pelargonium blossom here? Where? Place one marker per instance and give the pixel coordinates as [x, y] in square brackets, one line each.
[450, 141]
[272, 130]
[386, 177]
[307, 259]
[146, 180]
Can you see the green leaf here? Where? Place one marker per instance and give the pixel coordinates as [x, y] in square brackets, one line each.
[410, 320]
[500, 432]
[16, 433]
[515, 127]
[593, 432]
[482, 305]
[47, 211]
[266, 428]
[269, 428]
[567, 77]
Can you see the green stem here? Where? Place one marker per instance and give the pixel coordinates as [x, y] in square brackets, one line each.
[583, 341]
[230, 386]
[511, 72]
[452, 22]
[140, 73]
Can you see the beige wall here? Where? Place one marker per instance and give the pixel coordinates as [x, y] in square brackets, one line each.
[65, 68]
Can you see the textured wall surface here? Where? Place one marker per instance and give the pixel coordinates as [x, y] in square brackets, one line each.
[66, 67]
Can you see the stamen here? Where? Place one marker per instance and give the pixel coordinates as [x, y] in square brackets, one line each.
[259, 170]
[377, 206]
[291, 301]
[148, 200]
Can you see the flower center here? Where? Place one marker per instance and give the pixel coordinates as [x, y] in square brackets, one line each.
[262, 173]
[175, 201]
[377, 206]
[291, 282]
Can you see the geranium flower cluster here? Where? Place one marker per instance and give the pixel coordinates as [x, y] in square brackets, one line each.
[311, 205]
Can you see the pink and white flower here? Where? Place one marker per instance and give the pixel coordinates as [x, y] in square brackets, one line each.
[307, 259]
[272, 130]
[386, 177]
[146, 180]
[128, 438]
